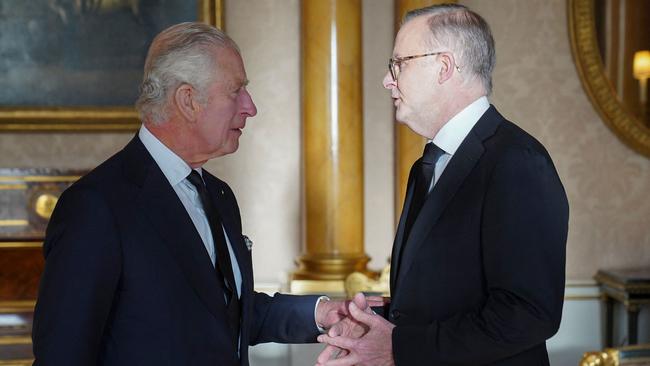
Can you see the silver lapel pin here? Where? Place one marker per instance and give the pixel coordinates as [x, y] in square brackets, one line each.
[249, 243]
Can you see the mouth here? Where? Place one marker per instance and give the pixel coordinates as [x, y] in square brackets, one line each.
[238, 128]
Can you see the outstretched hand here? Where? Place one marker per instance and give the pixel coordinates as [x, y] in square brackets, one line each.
[365, 337]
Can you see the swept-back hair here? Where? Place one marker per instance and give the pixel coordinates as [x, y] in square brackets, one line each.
[466, 34]
[181, 54]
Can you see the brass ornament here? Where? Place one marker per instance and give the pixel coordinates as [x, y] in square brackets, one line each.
[44, 205]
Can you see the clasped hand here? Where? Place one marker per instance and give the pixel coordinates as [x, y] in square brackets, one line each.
[359, 337]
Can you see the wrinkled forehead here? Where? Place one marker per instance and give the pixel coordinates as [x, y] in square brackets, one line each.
[413, 37]
[230, 66]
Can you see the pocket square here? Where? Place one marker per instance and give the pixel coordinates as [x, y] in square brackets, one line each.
[249, 243]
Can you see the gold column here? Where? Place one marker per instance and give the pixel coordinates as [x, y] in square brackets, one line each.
[332, 116]
[408, 144]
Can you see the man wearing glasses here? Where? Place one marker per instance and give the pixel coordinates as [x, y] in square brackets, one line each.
[477, 272]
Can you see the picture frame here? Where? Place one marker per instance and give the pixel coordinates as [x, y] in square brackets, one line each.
[49, 85]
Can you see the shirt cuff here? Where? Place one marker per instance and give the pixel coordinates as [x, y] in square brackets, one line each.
[319, 326]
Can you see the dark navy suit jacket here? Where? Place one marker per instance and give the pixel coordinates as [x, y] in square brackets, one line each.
[480, 279]
[128, 281]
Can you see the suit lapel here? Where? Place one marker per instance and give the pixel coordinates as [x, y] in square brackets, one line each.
[164, 210]
[399, 236]
[461, 164]
[230, 222]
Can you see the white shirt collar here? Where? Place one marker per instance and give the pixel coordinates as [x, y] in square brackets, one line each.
[452, 134]
[173, 167]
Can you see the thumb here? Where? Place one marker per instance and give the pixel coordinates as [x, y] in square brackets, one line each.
[360, 301]
[360, 315]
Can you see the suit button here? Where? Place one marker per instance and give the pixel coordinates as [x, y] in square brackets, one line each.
[395, 314]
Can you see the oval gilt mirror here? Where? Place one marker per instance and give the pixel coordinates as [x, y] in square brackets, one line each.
[610, 40]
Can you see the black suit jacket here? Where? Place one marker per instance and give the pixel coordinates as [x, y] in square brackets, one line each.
[480, 279]
[128, 281]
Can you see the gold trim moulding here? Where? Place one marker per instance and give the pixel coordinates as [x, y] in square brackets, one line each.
[18, 306]
[40, 178]
[13, 187]
[20, 244]
[632, 288]
[69, 119]
[13, 222]
[583, 297]
[9, 340]
[18, 362]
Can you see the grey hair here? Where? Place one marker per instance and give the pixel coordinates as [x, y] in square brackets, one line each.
[466, 33]
[180, 54]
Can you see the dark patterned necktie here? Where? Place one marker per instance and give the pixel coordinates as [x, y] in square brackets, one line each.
[223, 266]
[423, 179]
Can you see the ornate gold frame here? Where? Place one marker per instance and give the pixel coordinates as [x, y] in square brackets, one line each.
[587, 59]
[26, 119]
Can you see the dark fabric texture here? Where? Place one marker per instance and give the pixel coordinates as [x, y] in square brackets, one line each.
[426, 168]
[481, 279]
[223, 267]
[128, 281]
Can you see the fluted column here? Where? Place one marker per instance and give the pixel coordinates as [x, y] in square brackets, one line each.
[332, 136]
[408, 144]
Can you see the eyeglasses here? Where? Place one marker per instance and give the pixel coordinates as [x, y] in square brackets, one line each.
[394, 63]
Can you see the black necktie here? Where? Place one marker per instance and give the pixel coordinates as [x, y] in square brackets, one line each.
[223, 266]
[422, 182]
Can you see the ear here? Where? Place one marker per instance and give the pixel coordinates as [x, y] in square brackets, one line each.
[448, 66]
[184, 99]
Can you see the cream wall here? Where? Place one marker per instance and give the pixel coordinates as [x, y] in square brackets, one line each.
[536, 86]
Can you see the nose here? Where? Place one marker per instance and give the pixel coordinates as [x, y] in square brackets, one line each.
[247, 105]
[388, 81]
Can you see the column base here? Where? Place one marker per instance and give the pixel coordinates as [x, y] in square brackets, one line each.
[326, 274]
[335, 288]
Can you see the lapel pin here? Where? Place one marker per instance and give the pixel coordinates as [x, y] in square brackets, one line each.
[222, 192]
[249, 243]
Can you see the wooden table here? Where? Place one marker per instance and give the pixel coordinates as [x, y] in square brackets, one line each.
[631, 287]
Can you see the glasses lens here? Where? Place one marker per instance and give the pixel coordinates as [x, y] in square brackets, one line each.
[392, 66]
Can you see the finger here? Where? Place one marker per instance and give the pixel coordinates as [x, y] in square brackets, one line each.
[341, 342]
[376, 301]
[360, 301]
[375, 298]
[361, 316]
[328, 353]
[349, 360]
[335, 330]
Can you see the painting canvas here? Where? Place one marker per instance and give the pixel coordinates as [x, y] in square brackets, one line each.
[67, 63]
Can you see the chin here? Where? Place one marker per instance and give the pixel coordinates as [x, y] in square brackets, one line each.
[231, 147]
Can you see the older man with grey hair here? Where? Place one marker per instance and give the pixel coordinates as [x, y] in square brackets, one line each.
[477, 269]
[146, 263]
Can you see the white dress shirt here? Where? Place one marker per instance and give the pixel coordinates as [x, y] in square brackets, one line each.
[452, 134]
[176, 171]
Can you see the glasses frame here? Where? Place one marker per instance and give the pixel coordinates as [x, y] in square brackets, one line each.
[398, 60]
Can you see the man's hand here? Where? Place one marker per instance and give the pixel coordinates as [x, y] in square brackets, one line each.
[375, 348]
[347, 327]
[330, 313]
